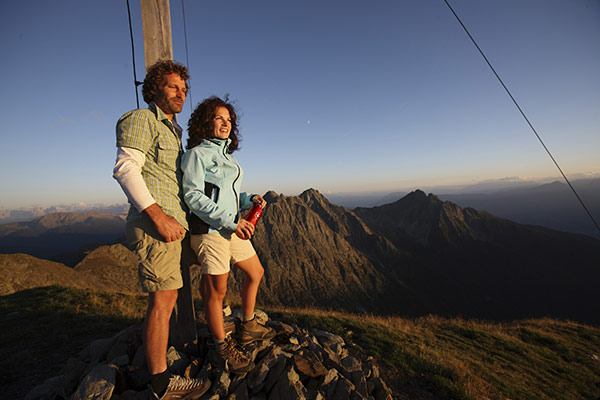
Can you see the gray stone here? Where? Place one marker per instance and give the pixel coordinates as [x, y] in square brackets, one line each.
[254, 350]
[351, 364]
[129, 334]
[308, 365]
[120, 361]
[295, 365]
[281, 328]
[343, 388]
[240, 392]
[139, 360]
[72, 373]
[236, 382]
[259, 373]
[371, 368]
[221, 384]
[99, 384]
[329, 383]
[332, 360]
[275, 372]
[99, 349]
[329, 339]
[358, 379]
[193, 368]
[49, 390]
[356, 395]
[117, 350]
[288, 387]
[381, 391]
[177, 361]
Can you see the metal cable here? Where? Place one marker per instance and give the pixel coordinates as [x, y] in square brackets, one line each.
[524, 116]
[187, 58]
[135, 81]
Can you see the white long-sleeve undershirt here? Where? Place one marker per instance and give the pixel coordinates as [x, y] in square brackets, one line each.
[128, 172]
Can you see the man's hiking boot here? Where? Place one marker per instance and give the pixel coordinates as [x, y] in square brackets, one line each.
[251, 331]
[229, 358]
[181, 388]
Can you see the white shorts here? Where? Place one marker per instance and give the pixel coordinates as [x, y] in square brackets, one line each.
[216, 252]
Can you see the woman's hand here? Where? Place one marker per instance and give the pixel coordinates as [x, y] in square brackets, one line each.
[258, 199]
[244, 229]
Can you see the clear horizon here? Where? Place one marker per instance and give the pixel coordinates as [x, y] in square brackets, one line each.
[486, 186]
[343, 97]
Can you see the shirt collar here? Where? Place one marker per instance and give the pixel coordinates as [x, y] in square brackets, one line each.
[160, 115]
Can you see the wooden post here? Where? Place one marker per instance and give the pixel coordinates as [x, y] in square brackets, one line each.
[156, 24]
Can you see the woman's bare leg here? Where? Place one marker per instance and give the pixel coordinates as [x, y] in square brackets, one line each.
[213, 289]
[254, 272]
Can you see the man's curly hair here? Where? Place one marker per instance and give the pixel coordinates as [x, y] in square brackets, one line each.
[200, 125]
[156, 74]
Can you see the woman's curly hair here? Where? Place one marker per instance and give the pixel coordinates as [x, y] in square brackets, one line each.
[156, 74]
[200, 125]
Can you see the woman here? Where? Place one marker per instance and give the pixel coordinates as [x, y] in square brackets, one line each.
[211, 182]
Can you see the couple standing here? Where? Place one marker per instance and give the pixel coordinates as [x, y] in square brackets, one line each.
[162, 184]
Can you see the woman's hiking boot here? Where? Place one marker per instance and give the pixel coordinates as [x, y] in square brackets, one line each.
[251, 331]
[226, 356]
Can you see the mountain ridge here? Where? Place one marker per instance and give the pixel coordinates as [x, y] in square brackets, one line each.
[416, 256]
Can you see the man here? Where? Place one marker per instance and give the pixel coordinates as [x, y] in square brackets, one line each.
[148, 169]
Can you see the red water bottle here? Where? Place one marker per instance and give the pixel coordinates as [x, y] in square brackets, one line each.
[254, 214]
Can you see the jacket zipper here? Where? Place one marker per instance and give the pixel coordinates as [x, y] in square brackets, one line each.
[237, 200]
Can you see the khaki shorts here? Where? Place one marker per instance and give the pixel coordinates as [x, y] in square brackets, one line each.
[159, 262]
[216, 252]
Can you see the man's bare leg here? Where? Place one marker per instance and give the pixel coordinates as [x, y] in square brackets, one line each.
[156, 329]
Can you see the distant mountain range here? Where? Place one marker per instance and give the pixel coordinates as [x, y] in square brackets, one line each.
[28, 214]
[552, 205]
[415, 256]
[62, 237]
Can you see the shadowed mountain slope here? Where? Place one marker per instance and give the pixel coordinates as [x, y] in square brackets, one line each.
[481, 265]
[107, 268]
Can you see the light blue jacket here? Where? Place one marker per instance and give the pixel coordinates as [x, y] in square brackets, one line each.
[211, 187]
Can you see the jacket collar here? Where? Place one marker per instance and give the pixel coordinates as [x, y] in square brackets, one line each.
[219, 142]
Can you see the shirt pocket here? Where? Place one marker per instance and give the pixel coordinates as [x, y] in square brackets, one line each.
[168, 155]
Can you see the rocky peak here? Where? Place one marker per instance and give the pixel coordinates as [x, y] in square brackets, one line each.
[424, 219]
[271, 197]
[313, 195]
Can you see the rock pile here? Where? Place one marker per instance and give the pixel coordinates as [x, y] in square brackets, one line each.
[296, 364]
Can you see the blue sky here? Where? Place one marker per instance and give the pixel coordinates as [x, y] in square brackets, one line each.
[341, 96]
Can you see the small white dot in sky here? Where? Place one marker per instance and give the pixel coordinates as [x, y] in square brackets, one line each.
[308, 122]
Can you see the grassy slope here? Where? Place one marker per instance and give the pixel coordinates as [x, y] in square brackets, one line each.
[41, 328]
[425, 358]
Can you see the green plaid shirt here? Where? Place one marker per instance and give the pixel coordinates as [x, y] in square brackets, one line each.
[150, 131]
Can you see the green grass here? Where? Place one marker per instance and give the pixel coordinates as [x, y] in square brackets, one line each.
[421, 358]
[433, 357]
[41, 328]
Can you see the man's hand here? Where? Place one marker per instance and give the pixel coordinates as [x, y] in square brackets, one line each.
[244, 229]
[167, 226]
